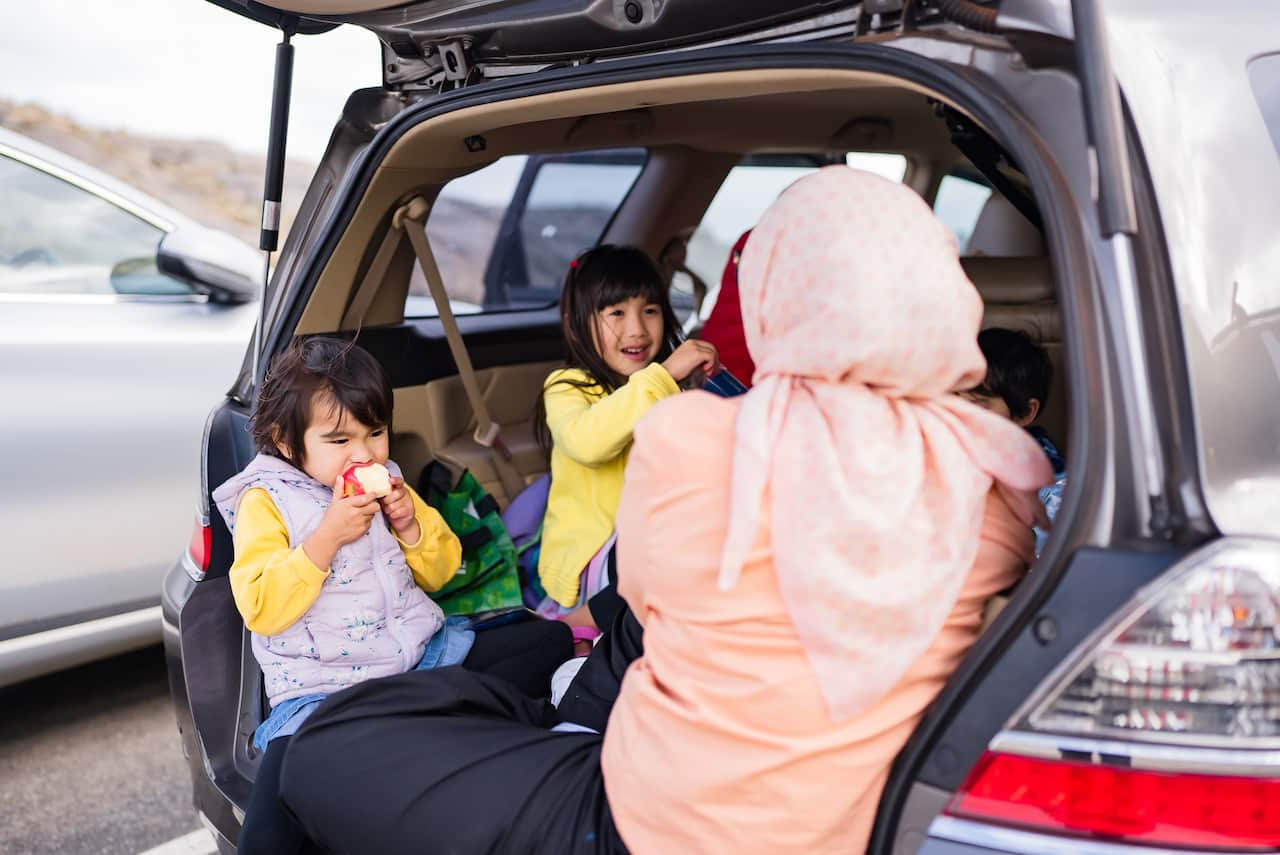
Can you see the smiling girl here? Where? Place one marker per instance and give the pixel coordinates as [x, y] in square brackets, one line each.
[624, 355]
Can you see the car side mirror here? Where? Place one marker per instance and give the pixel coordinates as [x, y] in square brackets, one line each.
[211, 263]
[142, 277]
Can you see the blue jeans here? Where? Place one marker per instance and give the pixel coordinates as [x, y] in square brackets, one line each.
[447, 647]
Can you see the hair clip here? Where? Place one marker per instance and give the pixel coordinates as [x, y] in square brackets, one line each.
[573, 265]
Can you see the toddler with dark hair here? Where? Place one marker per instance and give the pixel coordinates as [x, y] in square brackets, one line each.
[333, 586]
[1019, 375]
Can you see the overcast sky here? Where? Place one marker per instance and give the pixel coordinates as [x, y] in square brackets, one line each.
[183, 68]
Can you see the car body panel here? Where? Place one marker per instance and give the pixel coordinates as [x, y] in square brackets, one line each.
[105, 396]
[1216, 171]
[106, 401]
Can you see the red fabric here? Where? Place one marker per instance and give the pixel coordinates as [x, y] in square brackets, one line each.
[724, 325]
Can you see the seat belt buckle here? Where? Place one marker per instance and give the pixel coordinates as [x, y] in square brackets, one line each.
[492, 439]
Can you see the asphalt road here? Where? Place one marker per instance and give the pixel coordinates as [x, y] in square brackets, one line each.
[90, 761]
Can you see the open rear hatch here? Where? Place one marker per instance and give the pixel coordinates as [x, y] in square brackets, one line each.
[426, 41]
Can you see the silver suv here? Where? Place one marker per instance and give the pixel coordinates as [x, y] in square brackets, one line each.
[1126, 695]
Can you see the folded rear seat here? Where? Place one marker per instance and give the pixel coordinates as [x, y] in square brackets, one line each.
[442, 415]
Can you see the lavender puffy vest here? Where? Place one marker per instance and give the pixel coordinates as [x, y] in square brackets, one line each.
[371, 618]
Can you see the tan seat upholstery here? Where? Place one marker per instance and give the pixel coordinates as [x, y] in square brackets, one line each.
[1002, 230]
[1019, 294]
[435, 422]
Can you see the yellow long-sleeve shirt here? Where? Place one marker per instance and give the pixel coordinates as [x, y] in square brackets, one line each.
[591, 434]
[274, 585]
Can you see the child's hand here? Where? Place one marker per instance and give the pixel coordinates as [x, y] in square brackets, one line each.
[397, 506]
[691, 355]
[349, 517]
[346, 521]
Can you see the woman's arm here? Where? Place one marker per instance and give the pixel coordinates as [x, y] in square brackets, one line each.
[594, 431]
[273, 585]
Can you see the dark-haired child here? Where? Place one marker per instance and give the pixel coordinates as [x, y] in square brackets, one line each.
[623, 355]
[1019, 375]
[332, 587]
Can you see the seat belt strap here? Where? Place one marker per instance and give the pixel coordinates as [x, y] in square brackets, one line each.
[411, 218]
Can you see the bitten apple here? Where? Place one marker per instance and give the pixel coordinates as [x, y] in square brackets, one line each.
[371, 478]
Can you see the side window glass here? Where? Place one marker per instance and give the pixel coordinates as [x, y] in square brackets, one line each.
[504, 235]
[1264, 76]
[958, 203]
[748, 189]
[57, 238]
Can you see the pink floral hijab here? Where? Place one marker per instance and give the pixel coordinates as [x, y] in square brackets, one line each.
[862, 325]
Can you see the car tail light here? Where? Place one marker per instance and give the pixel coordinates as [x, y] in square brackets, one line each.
[1177, 809]
[1194, 659]
[198, 549]
[1164, 727]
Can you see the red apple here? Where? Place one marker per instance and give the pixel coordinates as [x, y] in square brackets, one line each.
[362, 478]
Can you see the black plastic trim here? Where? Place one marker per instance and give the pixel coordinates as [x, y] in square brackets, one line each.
[417, 352]
[229, 449]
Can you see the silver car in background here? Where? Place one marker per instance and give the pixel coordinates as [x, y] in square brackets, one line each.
[120, 320]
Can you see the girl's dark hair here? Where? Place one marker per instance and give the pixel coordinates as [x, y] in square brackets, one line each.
[1018, 369]
[310, 370]
[599, 278]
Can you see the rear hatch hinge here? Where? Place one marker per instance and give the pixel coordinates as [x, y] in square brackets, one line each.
[438, 67]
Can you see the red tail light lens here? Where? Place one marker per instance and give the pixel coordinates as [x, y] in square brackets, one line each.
[200, 546]
[1178, 809]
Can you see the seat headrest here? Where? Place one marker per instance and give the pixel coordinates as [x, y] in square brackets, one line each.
[1002, 231]
[1010, 281]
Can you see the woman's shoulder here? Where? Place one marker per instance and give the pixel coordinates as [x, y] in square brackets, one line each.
[692, 423]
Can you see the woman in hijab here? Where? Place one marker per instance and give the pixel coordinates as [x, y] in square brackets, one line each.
[804, 593]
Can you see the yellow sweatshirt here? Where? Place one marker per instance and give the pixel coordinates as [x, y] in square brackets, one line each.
[591, 434]
[274, 585]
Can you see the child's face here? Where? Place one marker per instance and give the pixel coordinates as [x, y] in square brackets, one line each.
[993, 403]
[335, 439]
[997, 405]
[629, 334]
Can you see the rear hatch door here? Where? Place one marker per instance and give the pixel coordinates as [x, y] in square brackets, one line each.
[430, 42]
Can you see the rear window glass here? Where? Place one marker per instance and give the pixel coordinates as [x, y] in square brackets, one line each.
[504, 235]
[959, 203]
[1264, 75]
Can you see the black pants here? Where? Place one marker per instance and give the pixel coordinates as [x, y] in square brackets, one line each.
[524, 655]
[268, 826]
[590, 696]
[606, 605]
[454, 761]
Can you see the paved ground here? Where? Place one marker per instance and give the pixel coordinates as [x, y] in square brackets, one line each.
[90, 761]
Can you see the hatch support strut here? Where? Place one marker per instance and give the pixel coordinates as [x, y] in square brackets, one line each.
[1118, 220]
[269, 237]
